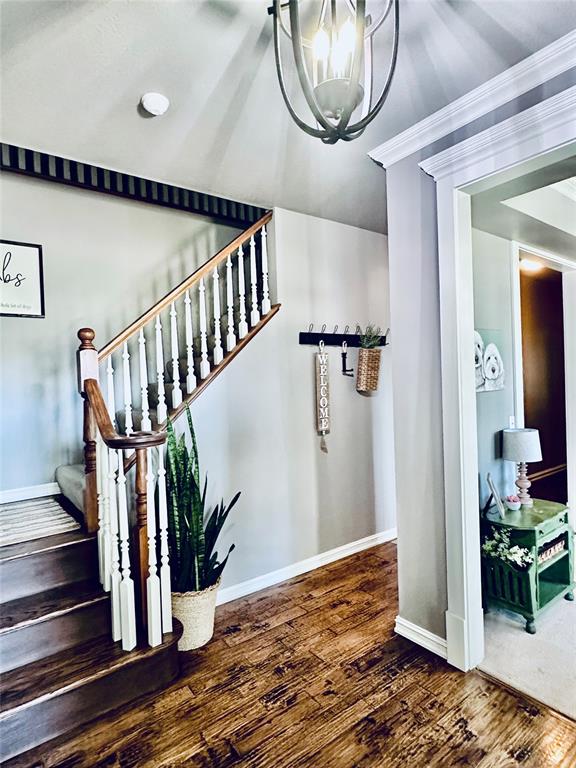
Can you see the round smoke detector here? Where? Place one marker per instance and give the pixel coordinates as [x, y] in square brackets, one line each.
[154, 103]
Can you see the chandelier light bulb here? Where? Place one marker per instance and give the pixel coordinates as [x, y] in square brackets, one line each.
[321, 45]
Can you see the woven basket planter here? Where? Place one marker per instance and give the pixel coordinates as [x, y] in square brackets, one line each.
[195, 611]
[368, 370]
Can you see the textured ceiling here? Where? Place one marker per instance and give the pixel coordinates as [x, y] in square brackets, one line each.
[73, 72]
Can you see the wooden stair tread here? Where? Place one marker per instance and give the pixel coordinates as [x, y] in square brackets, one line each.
[31, 609]
[71, 669]
[25, 548]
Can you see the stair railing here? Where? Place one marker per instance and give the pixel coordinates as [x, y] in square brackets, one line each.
[124, 549]
[152, 370]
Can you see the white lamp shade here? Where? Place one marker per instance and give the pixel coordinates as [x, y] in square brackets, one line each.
[521, 445]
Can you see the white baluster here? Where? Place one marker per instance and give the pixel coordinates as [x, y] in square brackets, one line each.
[110, 395]
[106, 541]
[127, 389]
[127, 605]
[100, 504]
[165, 586]
[254, 313]
[231, 336]
[115, 577]
[154, 616]
[266, 306]
[242, 325]
[146, 423]
[176, 391]
[217, 352]
[190, 375]
[204, 363]
[162, 409]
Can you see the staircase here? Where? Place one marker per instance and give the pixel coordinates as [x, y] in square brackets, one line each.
[86, 622]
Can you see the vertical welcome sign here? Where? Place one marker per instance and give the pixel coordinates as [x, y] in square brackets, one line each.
[322, 397]
[21, 279]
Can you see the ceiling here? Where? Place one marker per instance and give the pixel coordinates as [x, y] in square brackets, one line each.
[73, 73]
[536, 208]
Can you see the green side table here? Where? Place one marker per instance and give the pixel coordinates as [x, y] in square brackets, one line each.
[541, 529]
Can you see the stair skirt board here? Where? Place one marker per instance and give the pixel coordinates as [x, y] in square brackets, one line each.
[76, 703]
[33, 519]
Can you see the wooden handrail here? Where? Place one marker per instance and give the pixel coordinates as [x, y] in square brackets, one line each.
[543, 473]
[175, 293]
[136, 440]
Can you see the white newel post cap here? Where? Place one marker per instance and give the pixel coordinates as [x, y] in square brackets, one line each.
[521, 445]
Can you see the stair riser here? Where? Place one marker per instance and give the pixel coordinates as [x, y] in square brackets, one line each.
[35, 641]
[47, 569]
[45, 719]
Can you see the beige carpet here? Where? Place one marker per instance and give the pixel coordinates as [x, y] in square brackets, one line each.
[33, 519]
[541, 665]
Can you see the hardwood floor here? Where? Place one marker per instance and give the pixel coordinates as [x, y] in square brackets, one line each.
[309, 674]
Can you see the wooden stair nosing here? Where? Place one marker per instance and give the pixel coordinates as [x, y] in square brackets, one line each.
[86, 695]
[46, 544]
[53, 603]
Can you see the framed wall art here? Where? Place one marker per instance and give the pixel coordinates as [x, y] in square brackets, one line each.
[21, 279]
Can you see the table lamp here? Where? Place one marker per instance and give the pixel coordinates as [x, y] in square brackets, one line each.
[522, 446]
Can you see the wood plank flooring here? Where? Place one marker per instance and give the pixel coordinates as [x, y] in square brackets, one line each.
[309, 674]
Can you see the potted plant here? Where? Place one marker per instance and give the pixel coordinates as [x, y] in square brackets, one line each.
[368, 360]
[195, 566]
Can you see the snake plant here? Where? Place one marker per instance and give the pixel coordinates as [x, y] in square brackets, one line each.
[192, 534]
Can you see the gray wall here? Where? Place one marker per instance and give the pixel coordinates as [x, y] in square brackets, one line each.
[415, 311]
[491, 257]
[255, 423]
[106, 261]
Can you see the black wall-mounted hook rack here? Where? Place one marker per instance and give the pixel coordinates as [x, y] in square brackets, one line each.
[313, 338]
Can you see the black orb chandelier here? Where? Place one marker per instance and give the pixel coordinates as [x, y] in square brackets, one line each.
[335, 63]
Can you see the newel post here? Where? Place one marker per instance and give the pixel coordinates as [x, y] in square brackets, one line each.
[87, 365]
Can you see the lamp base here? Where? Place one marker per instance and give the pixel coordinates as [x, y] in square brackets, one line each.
[523, 484]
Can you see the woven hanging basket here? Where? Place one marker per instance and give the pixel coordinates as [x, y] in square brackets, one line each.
[368, 370]
[195, 611]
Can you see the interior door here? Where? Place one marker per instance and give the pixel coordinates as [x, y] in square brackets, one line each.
[544, 379]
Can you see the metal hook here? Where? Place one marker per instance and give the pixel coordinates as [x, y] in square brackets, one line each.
[335, 329]
[345, 371]
[321, 346]
[324, 328]
[310, 327]
[346, 329]
[358, 329]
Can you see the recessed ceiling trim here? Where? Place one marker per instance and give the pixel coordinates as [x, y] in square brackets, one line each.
[553, 60]
[552, 114]
[40, 165]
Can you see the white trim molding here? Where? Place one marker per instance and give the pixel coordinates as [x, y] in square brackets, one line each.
[553, 60]
[481, 153]
[30, 492]
[236, 591]
[525, 139]
[421, 636]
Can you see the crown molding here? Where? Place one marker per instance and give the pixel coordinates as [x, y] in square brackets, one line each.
[548, 116]
[553, 60]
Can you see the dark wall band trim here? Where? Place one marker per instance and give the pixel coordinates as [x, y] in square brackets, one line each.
[39, 165]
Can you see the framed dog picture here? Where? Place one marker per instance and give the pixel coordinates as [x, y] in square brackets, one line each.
[21, 279]
[488, 363]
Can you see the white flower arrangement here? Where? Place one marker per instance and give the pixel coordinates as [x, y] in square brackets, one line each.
[499, 547]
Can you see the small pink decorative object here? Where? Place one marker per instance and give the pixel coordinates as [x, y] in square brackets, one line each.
[513, 502]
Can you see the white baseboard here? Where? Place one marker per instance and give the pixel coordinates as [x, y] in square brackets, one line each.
[31, 492]
[421, 636]
[228, 594]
